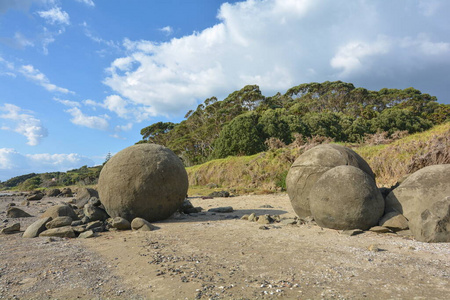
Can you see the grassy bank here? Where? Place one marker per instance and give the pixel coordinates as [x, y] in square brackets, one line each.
[266, 171]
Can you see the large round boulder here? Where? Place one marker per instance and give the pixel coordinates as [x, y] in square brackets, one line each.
[345, 197]
[423, 199]
[145, 180]
[308, 168]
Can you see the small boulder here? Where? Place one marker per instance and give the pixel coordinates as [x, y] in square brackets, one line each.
[83, 196]
[120, 223]
[59, 222]
[394, 221]
[380, 229]
[252, 217]
[224, 209]
[66, 192]
[60, 211]
[265, 219]
[53, 192]
[87, 234]
[36, 228]
[95, 213]
[141, 224]
[94, 224]
[66, 231]
[34, 196]
[218, 194]
[76, 223]
[188, 208]
[79, 229]
[14, 228]
[14, 212]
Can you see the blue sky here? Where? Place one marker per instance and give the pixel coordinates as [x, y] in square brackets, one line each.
[80, 78]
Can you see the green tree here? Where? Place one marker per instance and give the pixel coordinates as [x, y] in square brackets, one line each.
[274, 123]
[241, 136]
[325, 124]
[107, 158]
[156, 133]
[395, 119]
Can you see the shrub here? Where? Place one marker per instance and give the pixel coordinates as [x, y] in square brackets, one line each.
[241, 136]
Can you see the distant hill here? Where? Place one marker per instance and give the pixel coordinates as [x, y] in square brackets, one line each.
[82, 176]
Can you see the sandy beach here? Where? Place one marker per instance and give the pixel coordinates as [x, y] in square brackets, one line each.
[220, 256]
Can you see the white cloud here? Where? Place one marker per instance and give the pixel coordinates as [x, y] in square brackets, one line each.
[87, 2]
[280, 43]
[167, 30]
[47, 37]
[116, 104]
[352, 57]
[55, 16]
[10, 159]
[13, 163]
[9, 68]
[117, 136]
[67, 102]
[94, 122]
[23, 122]
[122, 108]
[111, 45]
[21, 41]
[126, 127]
[37, 76]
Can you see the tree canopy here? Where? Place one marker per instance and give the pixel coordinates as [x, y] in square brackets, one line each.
[240, 123]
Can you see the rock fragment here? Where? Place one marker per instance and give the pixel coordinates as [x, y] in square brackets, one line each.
[66, 231]
[380, 229]
[141, 224]
[14, 228]
[59, 222]
[36, 228]
[14, 212]
[224, 209]
[87, 234]
[120, 223]
[60, 211]
[394, 221]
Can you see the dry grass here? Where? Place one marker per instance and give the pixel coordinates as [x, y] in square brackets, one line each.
[266, 172]
[394, 161]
